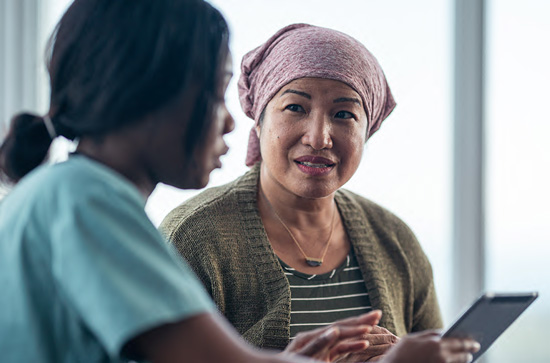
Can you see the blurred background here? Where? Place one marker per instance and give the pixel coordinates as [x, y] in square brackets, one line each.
[464, 159]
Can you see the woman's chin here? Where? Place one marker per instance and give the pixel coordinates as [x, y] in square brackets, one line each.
[313, 192]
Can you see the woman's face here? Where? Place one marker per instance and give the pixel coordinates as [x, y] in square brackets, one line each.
[312, 137]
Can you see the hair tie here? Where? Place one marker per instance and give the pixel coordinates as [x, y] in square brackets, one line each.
[49, 126]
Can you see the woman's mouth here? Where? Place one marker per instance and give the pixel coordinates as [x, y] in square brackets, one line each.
[314, 165]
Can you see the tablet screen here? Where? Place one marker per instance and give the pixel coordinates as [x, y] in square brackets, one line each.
[489, 317]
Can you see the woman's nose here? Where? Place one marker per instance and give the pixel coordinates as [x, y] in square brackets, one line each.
[318, 133]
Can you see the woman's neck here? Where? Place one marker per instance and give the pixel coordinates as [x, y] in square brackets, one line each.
[296, 211]
[306, 233]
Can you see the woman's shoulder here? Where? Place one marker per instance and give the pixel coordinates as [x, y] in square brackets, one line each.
[372, 209]
[214, 207]
[379, 218]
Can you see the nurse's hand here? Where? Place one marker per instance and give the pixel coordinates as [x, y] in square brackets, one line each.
[429, 347]
[336, 341]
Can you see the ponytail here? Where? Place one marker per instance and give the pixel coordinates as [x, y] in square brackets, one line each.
[25, 146]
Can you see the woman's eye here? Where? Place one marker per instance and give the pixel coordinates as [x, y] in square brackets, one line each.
[344, 114]
[294, 108]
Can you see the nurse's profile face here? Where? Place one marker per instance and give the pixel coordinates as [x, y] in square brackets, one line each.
[169, 162]
[209, 152]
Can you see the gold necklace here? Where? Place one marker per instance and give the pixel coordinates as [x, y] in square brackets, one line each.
[311, 261]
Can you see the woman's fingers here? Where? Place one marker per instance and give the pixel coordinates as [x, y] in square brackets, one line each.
[380, 340]
[374, 350]
[340, 338]
[379, 335]
[354, 332]
[380, 330]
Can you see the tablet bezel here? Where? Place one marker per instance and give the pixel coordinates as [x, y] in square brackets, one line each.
[520, 301]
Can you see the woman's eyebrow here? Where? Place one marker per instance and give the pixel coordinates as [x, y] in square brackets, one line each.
[299, 93]
[347, 99]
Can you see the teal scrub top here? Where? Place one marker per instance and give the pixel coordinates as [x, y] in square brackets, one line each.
[82, 268]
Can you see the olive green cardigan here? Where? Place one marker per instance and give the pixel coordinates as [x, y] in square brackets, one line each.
[221, 235]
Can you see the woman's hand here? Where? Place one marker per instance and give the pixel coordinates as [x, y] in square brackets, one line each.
[429, 347]
[380, 340]
[338, 340]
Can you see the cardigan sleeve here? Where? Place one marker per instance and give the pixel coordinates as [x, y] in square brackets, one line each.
[404, 287]
[426, 312]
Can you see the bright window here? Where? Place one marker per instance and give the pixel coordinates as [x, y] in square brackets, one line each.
[518, 169]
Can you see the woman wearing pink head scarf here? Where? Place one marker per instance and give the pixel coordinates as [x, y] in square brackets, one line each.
[284, 249]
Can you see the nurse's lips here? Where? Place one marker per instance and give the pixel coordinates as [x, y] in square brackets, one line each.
[314, 165]
[218, 162]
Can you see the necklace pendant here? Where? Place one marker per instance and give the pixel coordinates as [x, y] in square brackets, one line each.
[314, 262]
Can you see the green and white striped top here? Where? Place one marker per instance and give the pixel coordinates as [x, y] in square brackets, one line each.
[320, 300]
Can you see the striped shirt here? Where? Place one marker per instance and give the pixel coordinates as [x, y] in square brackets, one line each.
[319, 300]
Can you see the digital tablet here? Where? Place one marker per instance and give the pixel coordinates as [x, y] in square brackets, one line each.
[489, 316]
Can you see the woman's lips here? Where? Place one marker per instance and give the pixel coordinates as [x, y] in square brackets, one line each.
[314, 165]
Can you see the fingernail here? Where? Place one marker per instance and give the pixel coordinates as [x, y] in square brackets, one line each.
[470, 358]
[476, 346]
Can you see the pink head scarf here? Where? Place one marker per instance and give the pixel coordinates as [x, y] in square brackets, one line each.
[302, 50]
